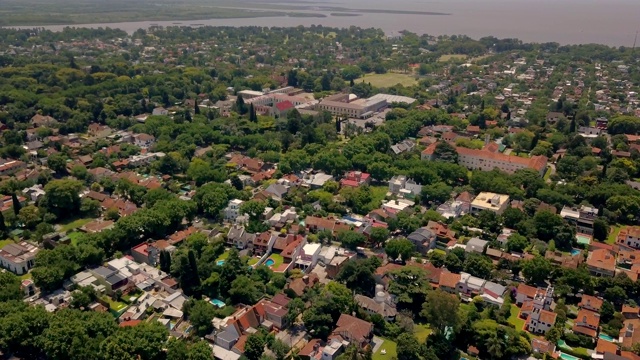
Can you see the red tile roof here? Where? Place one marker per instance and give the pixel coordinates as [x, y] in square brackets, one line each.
[284, 105]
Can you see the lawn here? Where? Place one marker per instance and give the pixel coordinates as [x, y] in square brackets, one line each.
[75, 224]
[613, 234]
[253, 261]
[421, 332]
[224, 256]
[445, 58]
[74, 236]
[3, 243]
[114, 305]
[547, 173]
[25, 276]
[277, 260]
[387, 80]
[378, 193]
[390, 348]
[514, 319]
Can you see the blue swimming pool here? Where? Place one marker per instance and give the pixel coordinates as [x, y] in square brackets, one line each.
[220, 262]
[575, 252]
[606, 337]
[568, 357]
[218, 303]
[269, 262]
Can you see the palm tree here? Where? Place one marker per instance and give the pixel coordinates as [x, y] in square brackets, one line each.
[494, 347]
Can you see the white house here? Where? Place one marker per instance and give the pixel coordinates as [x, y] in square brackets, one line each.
[403, 186]
[18, 258]
[34, 193]
[232, 211]
[160, 111]
[144, 140]
[497, 203]
[308, 256]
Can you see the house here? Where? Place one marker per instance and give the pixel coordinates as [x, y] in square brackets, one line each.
[316, 181]
[144, 141]
[525, 293]
[601, 262]
[281, 109]
[146, 252]
[34, 193]
[540, 346]
[100, 172]
[582, 217]
[587, 323]
[487, 159]
[10, 167]
[274, 311]
[402, 186]
[476, 245]
[403, 146]
[553, 117]
[424, 240]
[232, 211]
[355, 331]
[629, 236]
[540, 321]
[160, 111]
[300, 285]
[111, 279]
[18, 258]
[277, 191]
[263, 243]
[39, 120]
[238, 237]
[448, 282]
[590, 303]
[381, 304]
[630, 332]
[355, 179]
[308, 256]
[490, 202]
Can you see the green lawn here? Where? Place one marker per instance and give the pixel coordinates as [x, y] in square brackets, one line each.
[391, 352]
[514, 319]
[114, 305]
[25, 276]
[253, 261]
[445, 58]
[74, 236]
[77, 223]
[223, 256]
[613, 234]
[277, 260]
[547, 173]
[421, 332]
[3, 243]
[378, 194]
[388, 79]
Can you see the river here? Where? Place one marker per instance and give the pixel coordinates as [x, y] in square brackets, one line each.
[610, 22]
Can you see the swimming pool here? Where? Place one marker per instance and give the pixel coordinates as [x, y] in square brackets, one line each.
[220, 262]
[217, 302]
[606, 337]
[575, 252]
[567, 356]
[269, 262]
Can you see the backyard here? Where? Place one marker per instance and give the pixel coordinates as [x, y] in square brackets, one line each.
[514, 319]
[613, 233]
[276, 261]
[387, 80]
[390, 351]
[74, 224]
[74, 236]
[421, 332]
[113, 305]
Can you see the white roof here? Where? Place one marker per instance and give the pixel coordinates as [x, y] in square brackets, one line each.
[311, 248]
[392, 98]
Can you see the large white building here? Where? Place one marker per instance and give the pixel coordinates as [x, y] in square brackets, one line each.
[491, 202]
[18, 258]
[489, 158]
[341, 105]
[232, 211]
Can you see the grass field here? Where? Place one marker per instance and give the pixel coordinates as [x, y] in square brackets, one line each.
[74, 236]
[253, 261]
[114, 305]
[391, 351]
[75, 224]
[547, 173]
[223, 256]
[421, 332]
[514, 319]
[5, 242]
[388, 80]
[613, 234]
[445, 58]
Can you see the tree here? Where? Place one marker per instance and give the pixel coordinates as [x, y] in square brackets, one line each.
[253, 208]
[9, 287]
[294, 309]
[400, 247]
[254, 347]
[200, 315]
[517, 243]
[253, 117]
[445, 152]
[408, 347]
[438, 193]
[240, 106]
[237, 183]
[600, 229]
[280, 349]
[57, 163]
[201, 172]
[478, 265]
[536, 270]
[244, 291]
[441, 311]
[16, 204]
[62, 197]
[351, 72]
[29, 216]
[3, 226]
[546, 224]
[351, 239]
[379, 235]
[141, 342]
[453, 263]
[511, 217]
